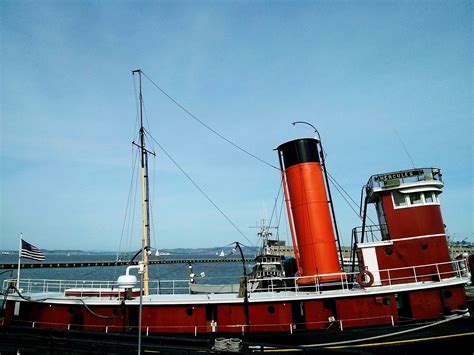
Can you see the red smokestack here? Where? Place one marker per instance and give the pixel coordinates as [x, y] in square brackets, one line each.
[309, 210]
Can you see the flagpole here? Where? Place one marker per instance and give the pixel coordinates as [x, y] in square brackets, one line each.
[19, 263]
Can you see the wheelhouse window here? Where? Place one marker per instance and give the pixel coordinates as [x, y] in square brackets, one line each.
[429, 197]
[399, 199]
[414, 199]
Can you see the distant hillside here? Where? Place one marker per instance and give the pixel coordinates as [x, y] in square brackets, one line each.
[175, 251]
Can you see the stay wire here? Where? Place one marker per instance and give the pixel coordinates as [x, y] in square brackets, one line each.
[205, 251]
[137, 104]
[59, 299]
[279, 217]
[207, 126]
[342, 195]
[339, 188]
[335, 182]
[128, 200]
[199, 188]
[275, 204]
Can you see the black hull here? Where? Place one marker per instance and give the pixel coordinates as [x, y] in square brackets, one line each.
[454, 337]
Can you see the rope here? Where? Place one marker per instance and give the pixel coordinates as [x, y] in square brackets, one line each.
[339, 188]
[58, 299]
[207, 126]
[231, 344]
[134, 160]
[336, 185]
[199, 188]
[383, 335]
[275, 204]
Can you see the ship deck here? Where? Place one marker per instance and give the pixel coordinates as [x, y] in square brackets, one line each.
[178, 292]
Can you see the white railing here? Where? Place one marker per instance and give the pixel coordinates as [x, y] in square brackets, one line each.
[388, 319]
[345, 282]
[419, 274]
[84, 287]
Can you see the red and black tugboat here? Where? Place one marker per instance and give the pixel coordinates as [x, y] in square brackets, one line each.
[402, 285]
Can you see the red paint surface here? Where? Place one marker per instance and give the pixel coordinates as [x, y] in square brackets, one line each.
[317, 316]
[365, 311]
[409, 254]
[411, 221]
[77, 317]
[262, 320]
[174, 319]
[403, 224]
[426, 304]
[230, 318]
[454, 298]
[313, 223]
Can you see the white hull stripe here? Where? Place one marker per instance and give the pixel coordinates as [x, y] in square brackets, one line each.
[418, 237]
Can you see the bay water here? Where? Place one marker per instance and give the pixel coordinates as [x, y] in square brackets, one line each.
[218, 272]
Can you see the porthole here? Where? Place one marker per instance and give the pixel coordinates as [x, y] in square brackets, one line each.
[424, 246]
[189, 311]
[386, 301]
[388, 251]
[271, 309]
[447, 294]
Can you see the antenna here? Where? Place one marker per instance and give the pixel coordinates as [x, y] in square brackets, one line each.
[405, 148]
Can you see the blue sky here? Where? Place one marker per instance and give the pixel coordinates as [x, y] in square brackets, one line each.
[365, 73]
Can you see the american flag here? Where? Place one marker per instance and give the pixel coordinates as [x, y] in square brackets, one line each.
[30, 251]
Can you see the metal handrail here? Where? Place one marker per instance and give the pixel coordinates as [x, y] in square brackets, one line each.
[373, 233]
[344, 281]
[426, 174]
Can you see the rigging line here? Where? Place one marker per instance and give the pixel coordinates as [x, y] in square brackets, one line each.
[205, 251]
[148, 124]
[225, 257]
[134, 198]
[207, 126]
[26, 298]
[127, 207]
[405, 148]
[287, 225]
[136, 104]
[336, 185]
[275, 204]
[151, 205]
[196, 253]
[340, 186]
[348, 195]
[344, 197]
[279, 217]
[199, 188]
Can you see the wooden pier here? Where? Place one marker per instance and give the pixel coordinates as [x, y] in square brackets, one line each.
[47, 265]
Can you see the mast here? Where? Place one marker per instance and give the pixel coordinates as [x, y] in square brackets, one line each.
[145, 191]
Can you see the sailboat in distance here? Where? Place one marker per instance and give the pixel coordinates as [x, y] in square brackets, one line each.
[161, 253]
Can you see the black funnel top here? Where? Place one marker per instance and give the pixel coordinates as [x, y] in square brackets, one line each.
[299, 151]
